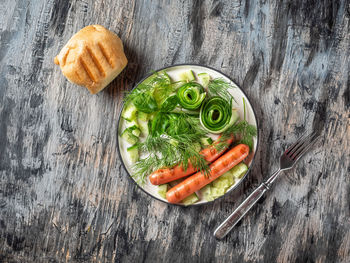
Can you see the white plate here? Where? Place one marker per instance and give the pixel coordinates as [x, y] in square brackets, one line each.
[173, 72]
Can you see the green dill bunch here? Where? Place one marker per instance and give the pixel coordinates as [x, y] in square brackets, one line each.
[172, 141]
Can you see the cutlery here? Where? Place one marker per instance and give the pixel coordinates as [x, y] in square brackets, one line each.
[287, 161]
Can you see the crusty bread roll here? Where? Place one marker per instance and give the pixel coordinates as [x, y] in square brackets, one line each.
[93, 57]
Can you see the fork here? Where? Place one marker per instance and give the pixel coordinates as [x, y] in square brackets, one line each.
[287, 161]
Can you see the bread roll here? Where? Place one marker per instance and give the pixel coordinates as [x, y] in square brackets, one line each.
[93, 57]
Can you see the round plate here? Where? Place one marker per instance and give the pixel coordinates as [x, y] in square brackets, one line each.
[238, 94]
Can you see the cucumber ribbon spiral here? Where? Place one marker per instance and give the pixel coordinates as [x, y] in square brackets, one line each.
[216, 115]
[191, 95]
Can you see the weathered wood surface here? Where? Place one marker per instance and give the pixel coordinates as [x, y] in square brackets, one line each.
[64, 195]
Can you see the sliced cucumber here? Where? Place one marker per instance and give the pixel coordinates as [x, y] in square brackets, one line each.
[177, 84]
[235, 116]
[217, 192]
[187, 76]
[228, 176]
[162, 189]
[133, 152]
[206, 193]
[206, 141]
[182, 110]
[129, 112]
[203, 79]
[191, 199]
[221, 183]
[132, 123]
[135, 130]
[176, 182]
[144, 128]
[129, 137]
[239, 170]
[197, 146]
[142, 116]
[151, 116]
[153, 80]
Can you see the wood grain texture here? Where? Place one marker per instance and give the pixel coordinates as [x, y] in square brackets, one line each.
[64, 196]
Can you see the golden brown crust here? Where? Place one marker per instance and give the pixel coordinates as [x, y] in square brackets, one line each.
[93, 57]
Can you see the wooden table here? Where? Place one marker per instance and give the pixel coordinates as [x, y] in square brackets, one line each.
[64, 196]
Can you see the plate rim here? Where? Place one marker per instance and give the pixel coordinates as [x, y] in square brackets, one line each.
[257, 136]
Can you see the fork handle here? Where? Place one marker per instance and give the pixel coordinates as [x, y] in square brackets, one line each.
[240, 211]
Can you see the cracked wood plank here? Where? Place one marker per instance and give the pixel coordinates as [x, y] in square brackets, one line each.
[64, 196]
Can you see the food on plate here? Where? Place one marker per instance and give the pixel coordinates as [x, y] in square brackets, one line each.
[217, 115]
[165, 175]
[178, 132]
[199, 180]
[93, 57]
[191, 95]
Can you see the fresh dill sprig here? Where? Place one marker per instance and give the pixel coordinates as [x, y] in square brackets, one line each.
[219, 87]
[160, 80]
[130, 95]
[175, 146]
[245, 131]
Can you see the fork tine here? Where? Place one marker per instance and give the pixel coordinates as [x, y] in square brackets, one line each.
[303, 149]
[299, 144]
[290, 148]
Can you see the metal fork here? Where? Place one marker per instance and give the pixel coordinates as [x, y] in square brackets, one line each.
[287, 160]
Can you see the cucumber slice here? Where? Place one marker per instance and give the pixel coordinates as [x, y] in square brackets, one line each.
[206, 141]
[217, 192]
[177, 84]
[144, 128]
[151, 116]
[142, 116]
[235, 117]
[153, 80]
[133, 152]
[239, 170]
[228, 176]
[221, 183]
[173, 183]
[203, 79]
[197, 146]
[129, 112]
[162, 189]
[206, 193]
[129, 137]
[191, 199]
[135, 130]
[132, 123]
[187, 76]
[182, 110]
